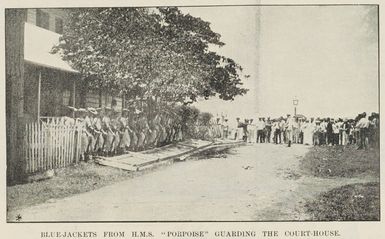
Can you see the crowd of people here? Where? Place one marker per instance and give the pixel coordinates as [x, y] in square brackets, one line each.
[107, 132]
[362, 131]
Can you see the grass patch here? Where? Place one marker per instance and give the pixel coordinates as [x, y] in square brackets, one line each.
[341, 161]
[71, 180]
[354, 202]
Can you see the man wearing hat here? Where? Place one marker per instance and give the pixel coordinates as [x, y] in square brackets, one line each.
[307, 130]
[342, 131]
[251, 128]
[89, 127]
[289, 129]
[363, 126]
[276, 131]
[115, 116]
[225, 128]
[374, 130]
[245, 130]
[317, 132]
[282, 130]
[125, 139]
[268, 126]
[109, 134]
[139, 128]
[322, 131]
[237, 132]
[80, 115]
[336, 132]
[99, 126]
[260, 130]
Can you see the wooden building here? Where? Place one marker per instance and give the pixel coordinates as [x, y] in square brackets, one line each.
[40, 84]
[51, 84]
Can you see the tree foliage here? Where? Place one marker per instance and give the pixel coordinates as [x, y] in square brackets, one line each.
[157, 53]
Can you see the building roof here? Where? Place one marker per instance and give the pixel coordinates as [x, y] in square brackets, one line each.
[38, 43]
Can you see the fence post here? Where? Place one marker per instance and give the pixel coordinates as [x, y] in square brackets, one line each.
[77, 143]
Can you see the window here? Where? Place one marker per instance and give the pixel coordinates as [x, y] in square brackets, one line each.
[42, 19]
[67, 97]
[59, 25]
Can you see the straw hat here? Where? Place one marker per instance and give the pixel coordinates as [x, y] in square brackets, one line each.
[72, 108]
[80, 112]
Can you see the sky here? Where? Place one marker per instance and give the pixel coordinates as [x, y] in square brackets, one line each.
[238, 27]
[326, 57]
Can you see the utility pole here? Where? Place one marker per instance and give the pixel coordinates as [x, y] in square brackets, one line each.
[295, 103]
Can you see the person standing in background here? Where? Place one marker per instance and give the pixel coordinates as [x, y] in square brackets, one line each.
[317, 132]
[363, 126]
[342, 133]
[323, 126]
[282, 129]
[277, 131]
[252, 133]
[239, 130]
[295, 138]
[289, 129]
[336, 132]
[329, 132]
[263, 127]
[245, 127]
[225, 128]
[307, 129]
[259, 128]
[374, 130]
[348, 131]
[268, 130]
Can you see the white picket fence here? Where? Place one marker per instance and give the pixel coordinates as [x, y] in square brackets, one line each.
[51, 144]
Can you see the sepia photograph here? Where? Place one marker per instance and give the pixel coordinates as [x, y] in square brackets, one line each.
[241, 113]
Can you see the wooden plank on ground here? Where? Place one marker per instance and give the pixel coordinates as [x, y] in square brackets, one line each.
[138, 161]
[117, 165]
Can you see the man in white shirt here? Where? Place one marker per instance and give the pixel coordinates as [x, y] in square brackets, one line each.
[363, 125]
[336, 131]
[289, 129]
[252, 132]
[260, 127]
[322, 130]
[340, 125]
[225, 128]
[282, 129]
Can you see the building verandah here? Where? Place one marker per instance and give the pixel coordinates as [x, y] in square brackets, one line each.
[51, 84]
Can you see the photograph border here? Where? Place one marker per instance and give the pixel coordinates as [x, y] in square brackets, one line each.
[227, 221]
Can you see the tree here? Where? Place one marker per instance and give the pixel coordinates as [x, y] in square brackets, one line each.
[188, 117]
[155, 54]
[205, 118]
[191, 37]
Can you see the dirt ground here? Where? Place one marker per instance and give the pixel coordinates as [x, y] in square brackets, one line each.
[253, 183]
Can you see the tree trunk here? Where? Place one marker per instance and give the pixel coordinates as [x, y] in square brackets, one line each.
[14, 65]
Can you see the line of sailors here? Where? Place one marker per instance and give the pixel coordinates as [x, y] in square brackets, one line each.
[362, 131]
[108, 132]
